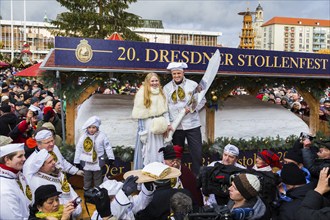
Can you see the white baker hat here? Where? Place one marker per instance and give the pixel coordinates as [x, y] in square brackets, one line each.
[38, 160]
[10, 148]
[43, 135]
[94, 120]
[177, 66]
[112, 186]
[231, 149]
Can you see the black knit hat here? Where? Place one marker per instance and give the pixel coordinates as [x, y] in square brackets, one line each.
[291, 174]
[44, 192]
[295, 155]
[168, 152]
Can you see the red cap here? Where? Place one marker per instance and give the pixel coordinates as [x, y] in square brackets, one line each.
[178, 151]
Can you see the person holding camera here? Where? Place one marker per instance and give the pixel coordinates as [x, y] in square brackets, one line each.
[119, 201]
[315, 205]
[90, 152]
[46, 205]
[315, 162]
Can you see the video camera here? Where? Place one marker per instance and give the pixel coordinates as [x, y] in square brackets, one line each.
[92, 194]
[216, 212]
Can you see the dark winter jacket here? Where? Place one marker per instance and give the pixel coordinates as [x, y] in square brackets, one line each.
[312, 163]
[297, 195]
[314, 207]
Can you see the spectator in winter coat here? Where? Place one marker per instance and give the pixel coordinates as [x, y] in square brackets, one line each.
[315, 162]
[295, 181]
[243, 193]
[315, 206]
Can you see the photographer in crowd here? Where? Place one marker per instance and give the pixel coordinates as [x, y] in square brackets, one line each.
[316, 205]
[229, 158]
[315, 162]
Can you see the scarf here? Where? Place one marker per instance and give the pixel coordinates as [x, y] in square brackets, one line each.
[3, 166]
[57, 214]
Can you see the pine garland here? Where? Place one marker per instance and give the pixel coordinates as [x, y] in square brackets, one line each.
[126, 153]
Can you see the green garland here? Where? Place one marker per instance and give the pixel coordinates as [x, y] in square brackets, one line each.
[126, 154]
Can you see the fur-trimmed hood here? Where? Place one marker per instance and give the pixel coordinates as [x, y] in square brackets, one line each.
[158, 105]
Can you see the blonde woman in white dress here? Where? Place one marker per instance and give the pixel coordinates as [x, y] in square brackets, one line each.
[151, 111]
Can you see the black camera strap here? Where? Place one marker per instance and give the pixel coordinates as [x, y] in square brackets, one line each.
[87, 208]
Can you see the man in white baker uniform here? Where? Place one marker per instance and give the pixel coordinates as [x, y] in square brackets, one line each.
[178, 93]
[14, 191]
[122, 204]
[43, 171]
[45, 140]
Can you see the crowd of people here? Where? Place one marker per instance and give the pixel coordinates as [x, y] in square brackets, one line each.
[291, 100]
[34, 174]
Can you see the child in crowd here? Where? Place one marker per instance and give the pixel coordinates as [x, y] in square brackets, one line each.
[90, 152]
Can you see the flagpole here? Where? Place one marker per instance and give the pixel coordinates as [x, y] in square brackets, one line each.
[12, 30]
[24, 21]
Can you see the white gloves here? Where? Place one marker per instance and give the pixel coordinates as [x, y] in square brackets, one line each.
[143, 136]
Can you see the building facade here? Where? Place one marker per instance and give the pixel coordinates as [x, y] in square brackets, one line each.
[258, 21]
[41, 40]
[296, 34]
[38, 37]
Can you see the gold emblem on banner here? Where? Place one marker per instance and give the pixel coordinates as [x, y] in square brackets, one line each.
[84, 52]
[88, 144]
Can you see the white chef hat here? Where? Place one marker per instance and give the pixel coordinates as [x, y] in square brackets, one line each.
[38, 160]
[94, 120]
[112, 186]
[43, 135]
[177, 66]
[10, 148]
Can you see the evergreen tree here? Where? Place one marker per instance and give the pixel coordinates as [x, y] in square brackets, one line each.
[96, 19]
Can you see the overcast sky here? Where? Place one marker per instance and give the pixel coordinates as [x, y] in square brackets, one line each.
[203, 15]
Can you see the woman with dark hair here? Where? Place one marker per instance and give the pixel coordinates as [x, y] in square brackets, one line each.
[47, 204]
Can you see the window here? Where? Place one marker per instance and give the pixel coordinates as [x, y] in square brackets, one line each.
[307, 35]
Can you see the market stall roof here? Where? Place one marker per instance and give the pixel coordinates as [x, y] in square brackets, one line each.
[31, 71]
[115, 36]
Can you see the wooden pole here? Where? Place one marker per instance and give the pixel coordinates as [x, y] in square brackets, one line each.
[209, 124]
[71, 113]
[314, 106]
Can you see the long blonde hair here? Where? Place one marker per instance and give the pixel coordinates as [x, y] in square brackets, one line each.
[147, 89]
